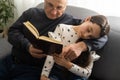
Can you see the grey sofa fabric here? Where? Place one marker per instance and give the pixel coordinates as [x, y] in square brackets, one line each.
[77, 12]
[5, 47]
[108, 66]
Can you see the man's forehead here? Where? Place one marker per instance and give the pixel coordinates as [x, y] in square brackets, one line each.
[57, 1]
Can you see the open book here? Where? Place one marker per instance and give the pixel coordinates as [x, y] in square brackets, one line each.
[48, 45]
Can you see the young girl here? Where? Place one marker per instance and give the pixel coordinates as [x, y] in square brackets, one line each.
[91, 28]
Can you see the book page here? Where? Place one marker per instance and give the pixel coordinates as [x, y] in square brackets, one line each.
[50, 40]
[32, 29]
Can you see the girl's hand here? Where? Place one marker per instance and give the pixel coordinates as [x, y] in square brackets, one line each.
[60, 60]
[72, 51]
[44, 78]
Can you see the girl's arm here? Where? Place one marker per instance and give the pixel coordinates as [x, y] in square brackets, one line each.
[84, 72]
[74, 68]
[80, 71]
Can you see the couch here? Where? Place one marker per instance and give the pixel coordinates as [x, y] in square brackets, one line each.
[108, 66]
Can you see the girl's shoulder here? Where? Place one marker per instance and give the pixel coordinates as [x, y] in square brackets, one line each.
[64, 26]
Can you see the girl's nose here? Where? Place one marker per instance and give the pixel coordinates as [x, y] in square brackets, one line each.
[87, 35]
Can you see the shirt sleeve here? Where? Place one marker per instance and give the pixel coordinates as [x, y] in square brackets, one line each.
[15, 32]
[80, 71]
[85, 72]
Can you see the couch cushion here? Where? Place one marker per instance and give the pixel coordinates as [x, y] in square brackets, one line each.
[5, 47]
[108, 66]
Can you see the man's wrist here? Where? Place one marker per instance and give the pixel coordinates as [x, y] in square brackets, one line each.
[28, 46]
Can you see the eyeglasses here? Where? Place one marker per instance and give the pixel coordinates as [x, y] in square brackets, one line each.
[51, 6]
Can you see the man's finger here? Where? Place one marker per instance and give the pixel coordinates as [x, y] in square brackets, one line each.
[38, 55]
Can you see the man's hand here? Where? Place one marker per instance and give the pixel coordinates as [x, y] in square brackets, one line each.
[72, 51]
[37, 53]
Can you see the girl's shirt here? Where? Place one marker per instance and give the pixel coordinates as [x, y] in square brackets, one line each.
[67, 35]
[64, 33]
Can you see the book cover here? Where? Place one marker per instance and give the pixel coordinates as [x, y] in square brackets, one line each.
[48, 45]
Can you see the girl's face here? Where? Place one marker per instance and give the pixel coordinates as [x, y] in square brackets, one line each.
[89, 30]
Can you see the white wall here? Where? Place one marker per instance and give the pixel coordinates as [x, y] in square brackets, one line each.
[22, 5]
[105, 7]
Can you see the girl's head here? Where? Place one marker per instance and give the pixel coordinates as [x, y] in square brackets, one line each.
[102, 22]
[94, 27]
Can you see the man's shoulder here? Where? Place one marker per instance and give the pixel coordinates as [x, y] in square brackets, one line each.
[34, 12]
[35, 9]
[71, 20]
[68, 15]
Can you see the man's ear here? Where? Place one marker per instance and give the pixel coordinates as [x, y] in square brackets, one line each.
[87, 18]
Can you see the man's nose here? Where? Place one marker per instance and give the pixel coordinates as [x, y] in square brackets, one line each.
[54, 11]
